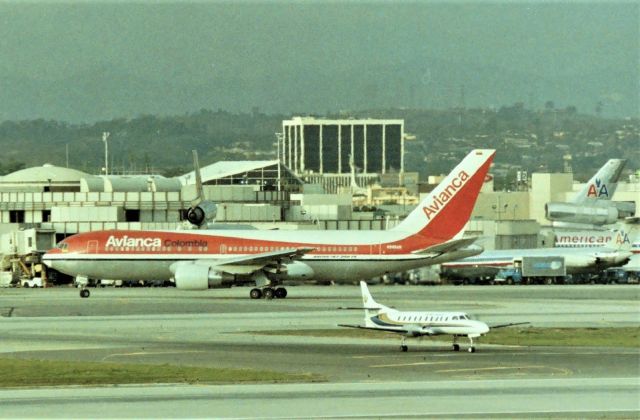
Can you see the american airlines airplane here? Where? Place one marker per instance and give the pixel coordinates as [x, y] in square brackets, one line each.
[614, 253]
[592, 206]
[202, 259]
[419, 324]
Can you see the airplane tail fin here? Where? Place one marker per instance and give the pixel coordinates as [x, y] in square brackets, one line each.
[368, 303]
[446, 210]
[603, 184]
[196, 170]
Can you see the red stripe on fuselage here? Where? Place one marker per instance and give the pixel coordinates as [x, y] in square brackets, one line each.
[159, 242]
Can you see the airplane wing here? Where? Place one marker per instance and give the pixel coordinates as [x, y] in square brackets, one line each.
[250, 263]
[448, 246]
[362, 327]
[416, 331]
[507, 325]
[265, 257]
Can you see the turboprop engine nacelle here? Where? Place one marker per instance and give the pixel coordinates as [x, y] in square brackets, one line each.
[582, 213]
[199, 277]
[202, 213]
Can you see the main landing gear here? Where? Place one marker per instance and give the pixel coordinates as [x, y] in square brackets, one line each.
[268, 293]
[403, 345]
[84, 293]
[456, 346]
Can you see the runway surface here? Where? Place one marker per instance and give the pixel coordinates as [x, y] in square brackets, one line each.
[364, 377]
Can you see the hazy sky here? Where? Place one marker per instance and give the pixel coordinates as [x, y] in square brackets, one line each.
[123, 58]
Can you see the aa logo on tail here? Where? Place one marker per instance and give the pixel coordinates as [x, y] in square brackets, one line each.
[597, 190]
[622, 238]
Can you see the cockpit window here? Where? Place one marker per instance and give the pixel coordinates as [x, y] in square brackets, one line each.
[62, 245]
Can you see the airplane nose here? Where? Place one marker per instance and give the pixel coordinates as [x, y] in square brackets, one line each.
[484, 328]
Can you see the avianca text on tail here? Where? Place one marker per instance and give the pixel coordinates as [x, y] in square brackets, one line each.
[201, 259]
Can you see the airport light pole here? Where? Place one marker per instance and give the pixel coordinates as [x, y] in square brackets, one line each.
[279, 140]
[105, 136]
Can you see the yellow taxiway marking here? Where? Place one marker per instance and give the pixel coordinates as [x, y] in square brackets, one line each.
[147, 353]
[409, 364]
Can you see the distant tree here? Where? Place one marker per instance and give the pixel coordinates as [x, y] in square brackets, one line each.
[549, 105]
[599, 107]
[11, 166]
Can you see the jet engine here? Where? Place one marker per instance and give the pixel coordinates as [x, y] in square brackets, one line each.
[202, 213]
[295, 270]
[582, 213]
[579, 261]
[613, 258]
[199, 277]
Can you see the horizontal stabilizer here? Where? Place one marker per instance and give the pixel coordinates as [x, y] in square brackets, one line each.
[449, 246]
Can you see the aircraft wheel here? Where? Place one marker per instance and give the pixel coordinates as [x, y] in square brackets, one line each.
[268, 293]
[255, 294]
[84, 293]
[404, 348]
[281, 293]
[472, 349]
[456, 347]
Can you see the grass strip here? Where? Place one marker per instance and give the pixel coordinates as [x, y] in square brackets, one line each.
[522, 336]
[28, 372]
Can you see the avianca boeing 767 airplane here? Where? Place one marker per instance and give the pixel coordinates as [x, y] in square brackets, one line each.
[201, 259]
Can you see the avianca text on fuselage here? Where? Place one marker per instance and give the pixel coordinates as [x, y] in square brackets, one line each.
[431, 210]
[129, 242]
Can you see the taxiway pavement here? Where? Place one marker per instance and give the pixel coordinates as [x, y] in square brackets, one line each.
[212, 328]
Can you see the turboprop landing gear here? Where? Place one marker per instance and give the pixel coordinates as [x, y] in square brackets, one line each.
[403, 346]
[84, 293]
[268, 293]
[455, 346]
[472, 349]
